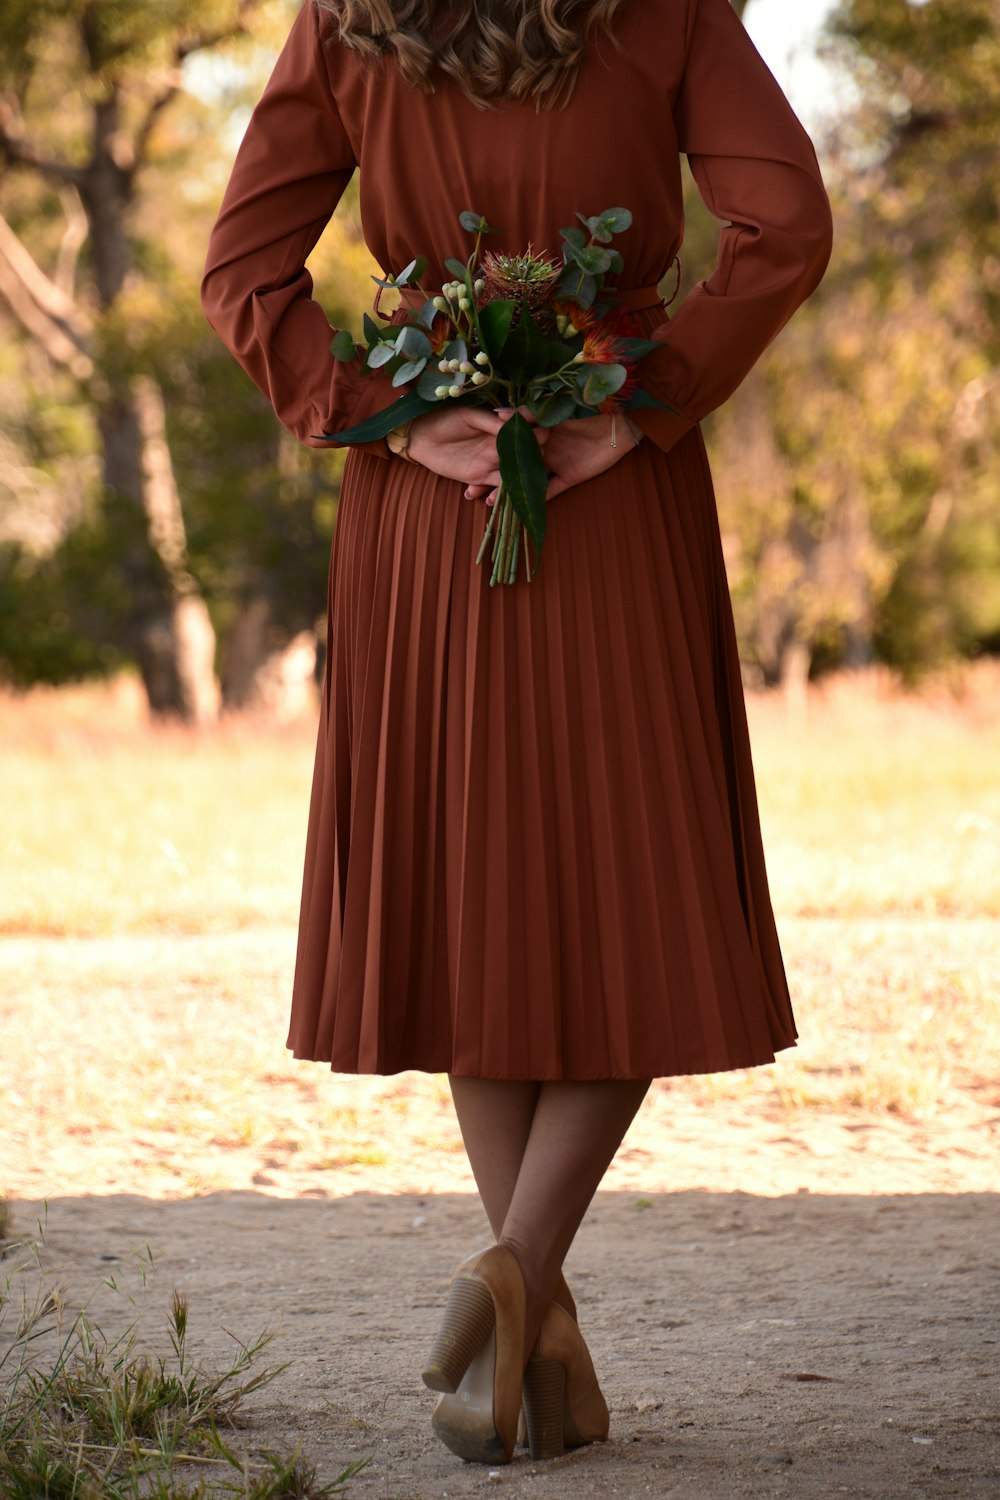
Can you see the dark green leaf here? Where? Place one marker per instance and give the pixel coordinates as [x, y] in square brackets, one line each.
[524, 351]
[342, 347]
[494, 325]
[639, 397]
[634, 349]
[377, 425]
[373, 330]
[617, 265]
[522, 469]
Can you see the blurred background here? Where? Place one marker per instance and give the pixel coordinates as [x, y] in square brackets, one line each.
[163, 559]
[164, 544]
[153, 516]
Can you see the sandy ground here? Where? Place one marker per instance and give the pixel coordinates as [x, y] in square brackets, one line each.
[789, 1289]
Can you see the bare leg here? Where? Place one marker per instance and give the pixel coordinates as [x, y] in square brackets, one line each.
[538, 1153]
[495, 1117]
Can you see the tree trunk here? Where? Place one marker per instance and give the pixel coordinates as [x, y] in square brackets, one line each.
[168, 625]
[266, 670]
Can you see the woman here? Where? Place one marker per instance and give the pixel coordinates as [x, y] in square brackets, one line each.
[533, 858]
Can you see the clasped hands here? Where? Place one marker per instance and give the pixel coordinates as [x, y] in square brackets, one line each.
[460, 443]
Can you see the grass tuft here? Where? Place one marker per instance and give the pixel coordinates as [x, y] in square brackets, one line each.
[83, 1417]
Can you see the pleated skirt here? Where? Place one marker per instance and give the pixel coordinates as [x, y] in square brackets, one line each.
[533, 846]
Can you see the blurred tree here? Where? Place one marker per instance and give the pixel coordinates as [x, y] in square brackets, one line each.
[83, 88]
[858, 464]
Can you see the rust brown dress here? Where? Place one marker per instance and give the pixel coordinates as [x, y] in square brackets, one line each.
[533, 847]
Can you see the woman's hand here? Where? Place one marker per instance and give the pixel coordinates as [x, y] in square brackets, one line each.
[460, 442]
[581, 448]
[574, 451]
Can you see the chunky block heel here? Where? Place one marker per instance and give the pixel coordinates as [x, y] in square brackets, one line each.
[563, 1404]
[478, 1359]
[545, 1408]
[467, 1323]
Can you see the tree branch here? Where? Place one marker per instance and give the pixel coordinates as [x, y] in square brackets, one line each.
[42, 308]
[184, 48]
[20, 152]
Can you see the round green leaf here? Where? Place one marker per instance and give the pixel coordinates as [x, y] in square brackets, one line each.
[413, 343]
[342, 347]
[601, 381]
[409, 371]
[380, 355]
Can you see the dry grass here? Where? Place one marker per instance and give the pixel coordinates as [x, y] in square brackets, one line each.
[140, 1059]
[871, 802]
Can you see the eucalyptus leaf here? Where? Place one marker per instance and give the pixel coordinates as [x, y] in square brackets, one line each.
[592, 259]
[404, 275]
[602, 381]
[408, 371]
[553, 408]
[574, 237]
[617, 265]
[430, 382]
[458, 268]
[380, 355]
[342, 347]
[474, 223]
[523, 472]
[457, 349]
[427, 313]
[598, 229]
[617, 219]
[413, 343]
[577, 285]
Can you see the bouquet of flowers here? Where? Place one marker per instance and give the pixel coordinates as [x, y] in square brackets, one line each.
[509, 331]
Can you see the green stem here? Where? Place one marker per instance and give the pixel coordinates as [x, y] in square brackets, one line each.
[489, 528]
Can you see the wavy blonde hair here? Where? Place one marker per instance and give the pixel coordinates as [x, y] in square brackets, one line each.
[511, 49]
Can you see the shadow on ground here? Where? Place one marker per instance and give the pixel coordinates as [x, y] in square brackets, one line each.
[804, 1346]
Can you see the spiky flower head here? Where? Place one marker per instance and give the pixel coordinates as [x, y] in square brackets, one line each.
[527, 276]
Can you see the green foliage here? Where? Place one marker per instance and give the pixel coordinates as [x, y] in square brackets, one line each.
[858, 466]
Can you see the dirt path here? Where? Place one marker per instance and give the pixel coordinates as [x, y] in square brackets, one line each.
[786, 1293]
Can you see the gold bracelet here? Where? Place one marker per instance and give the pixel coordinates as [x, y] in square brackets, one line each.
[398, 440]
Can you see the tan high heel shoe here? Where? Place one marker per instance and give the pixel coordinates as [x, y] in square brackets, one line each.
[477, 1358]
[563, 1404]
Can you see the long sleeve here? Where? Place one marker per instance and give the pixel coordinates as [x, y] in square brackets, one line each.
[756, 169]
[292, 167]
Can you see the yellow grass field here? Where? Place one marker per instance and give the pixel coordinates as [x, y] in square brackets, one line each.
[148, 896]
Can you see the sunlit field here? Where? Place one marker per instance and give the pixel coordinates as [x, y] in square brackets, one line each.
[871, 802]
[149, 890]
